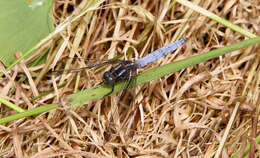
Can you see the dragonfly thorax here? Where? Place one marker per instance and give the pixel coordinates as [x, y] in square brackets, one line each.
[122, 71]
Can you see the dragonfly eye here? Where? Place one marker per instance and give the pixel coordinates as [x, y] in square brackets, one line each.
[108, 79]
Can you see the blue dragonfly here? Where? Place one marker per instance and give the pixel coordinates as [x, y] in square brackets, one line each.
[127, 69]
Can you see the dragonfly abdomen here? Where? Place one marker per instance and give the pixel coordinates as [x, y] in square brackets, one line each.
[157, 54]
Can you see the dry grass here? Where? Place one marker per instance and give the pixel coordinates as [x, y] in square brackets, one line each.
[186, 114]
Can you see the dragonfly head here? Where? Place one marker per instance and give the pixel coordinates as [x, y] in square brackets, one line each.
[108, 79]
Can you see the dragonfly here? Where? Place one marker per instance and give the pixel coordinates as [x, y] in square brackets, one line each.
[127, 69]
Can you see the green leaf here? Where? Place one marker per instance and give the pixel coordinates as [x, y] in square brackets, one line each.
[22, 25]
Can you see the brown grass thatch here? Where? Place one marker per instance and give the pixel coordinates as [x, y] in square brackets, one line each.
[205, 110]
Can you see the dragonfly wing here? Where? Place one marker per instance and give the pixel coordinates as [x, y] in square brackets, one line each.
[89, 66]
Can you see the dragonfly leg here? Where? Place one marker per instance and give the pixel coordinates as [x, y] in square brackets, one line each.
[129, 80]
[112, 90]
[132, 76]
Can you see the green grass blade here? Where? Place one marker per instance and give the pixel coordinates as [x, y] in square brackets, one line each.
[11, 105]
[32, 112]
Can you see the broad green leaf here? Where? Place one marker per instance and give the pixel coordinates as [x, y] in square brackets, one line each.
[23, 23]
